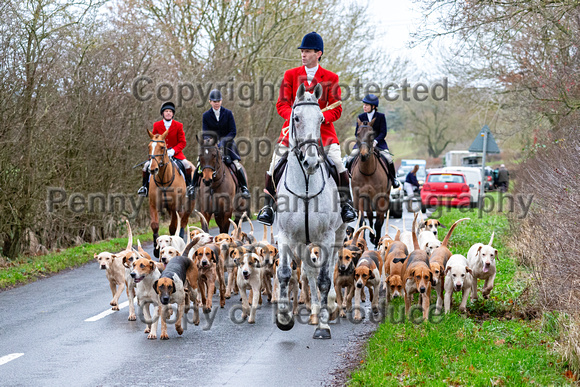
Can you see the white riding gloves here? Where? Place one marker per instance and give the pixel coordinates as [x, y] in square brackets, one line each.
[171, 152]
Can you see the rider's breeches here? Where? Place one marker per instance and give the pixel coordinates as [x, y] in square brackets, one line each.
[332, 150]
[409, 189]
[384, 152]
[186, 163]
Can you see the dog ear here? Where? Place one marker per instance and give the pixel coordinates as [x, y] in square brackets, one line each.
[371, 275]
[422, 225]
[440, 225]
[412, 273]
[447, 270]
[96, 256]
[152, 265]
[155, 287]
[125, 262]
[256, 262]
[213, 257]
[468, 270]
[275, 251]
[294, 265]
[174, 289]
[495, 255]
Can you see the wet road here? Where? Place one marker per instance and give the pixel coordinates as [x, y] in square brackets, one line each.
[59, 331]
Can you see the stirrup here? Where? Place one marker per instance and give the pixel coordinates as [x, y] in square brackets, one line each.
[142, 191]
[348, 213]
[244, 192]
[190, 191]
[396, 183]
[266, 216]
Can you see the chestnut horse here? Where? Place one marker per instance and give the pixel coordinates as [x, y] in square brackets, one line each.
[217, 193]
[369, 181]
[166, 188]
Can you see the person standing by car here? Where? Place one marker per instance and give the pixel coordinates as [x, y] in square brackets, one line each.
[503, 178]
[411, 182]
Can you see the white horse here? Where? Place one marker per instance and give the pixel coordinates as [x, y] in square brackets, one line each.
[308, 213]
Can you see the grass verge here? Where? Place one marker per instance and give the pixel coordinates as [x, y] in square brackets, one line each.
[487, 346]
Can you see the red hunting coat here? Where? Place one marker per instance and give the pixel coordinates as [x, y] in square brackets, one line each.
[175, 139]
[293, 78]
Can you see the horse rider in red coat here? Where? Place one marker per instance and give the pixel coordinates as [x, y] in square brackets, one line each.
[174, 141]
[310, 74]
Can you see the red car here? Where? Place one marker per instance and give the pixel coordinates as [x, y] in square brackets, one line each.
[445, 189]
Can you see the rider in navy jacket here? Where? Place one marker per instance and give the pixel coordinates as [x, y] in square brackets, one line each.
[370, 105]
[219, 122]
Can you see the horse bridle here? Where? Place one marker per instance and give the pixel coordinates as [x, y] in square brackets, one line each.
[370, 147]
[212, 167]
[161, 165]
[296, 149]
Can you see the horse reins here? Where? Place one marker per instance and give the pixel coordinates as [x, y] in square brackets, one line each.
[372, 155]
[213, 168]
[296, 149]
[162, 185]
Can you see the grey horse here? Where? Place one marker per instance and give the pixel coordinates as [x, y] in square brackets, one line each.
[308, 214]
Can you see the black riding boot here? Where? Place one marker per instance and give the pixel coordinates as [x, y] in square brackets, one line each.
[243, 183]
[194, 181]
[143, 191]
[266, 214]
[347, 211]
[190, 189]
[393, 174]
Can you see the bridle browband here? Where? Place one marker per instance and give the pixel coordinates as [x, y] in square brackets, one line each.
[213, 167]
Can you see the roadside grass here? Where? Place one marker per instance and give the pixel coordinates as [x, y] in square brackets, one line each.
[487, 346]
[27, 269]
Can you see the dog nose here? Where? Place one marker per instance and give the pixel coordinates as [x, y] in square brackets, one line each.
[422, 289]
[165, 300]
[164, 260]
[103, 267]
[245, 273]
[133, 274]
[342, 267]
[358, 285]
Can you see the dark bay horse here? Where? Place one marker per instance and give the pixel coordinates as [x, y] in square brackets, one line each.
[166, 189]
[217, 193]
[370, 183]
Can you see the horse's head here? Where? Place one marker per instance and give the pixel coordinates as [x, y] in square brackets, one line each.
[157, 151]
[305, 124]
[364, 139]
[209, 159]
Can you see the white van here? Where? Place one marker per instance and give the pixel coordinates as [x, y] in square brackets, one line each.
[473, 176]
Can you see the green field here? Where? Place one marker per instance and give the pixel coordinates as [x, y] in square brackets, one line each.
[490, 345]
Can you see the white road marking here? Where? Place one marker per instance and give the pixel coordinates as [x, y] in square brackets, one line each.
[107, 312]
[7, 358]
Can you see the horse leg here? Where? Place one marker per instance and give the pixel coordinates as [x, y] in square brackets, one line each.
[154, 215]
[173, 224]
[371, 217]
[329, 308]
[221, 219]
[378, 227]
[284, 316]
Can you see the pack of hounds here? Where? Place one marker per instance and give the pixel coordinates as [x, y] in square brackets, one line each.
[187, 272]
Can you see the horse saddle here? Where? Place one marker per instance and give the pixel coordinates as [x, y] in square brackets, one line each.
[281, 166]
[179, 165]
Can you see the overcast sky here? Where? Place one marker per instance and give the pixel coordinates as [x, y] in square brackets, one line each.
[396, 20]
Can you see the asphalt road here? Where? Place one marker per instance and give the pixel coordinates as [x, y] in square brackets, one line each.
[60, 331]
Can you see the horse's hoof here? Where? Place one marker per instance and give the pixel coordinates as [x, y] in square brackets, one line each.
[322, 333]
[285, 327]
[156, 252]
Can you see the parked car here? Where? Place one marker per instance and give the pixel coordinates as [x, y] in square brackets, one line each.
[445, 188]
[473, 180]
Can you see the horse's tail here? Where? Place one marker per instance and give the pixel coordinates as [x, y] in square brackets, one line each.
[444, 243]
[178, 224]
[130, 240]
[203, 221]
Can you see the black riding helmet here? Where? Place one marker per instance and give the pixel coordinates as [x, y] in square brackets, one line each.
[215, 95]
[167, 105]
[371, 99]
